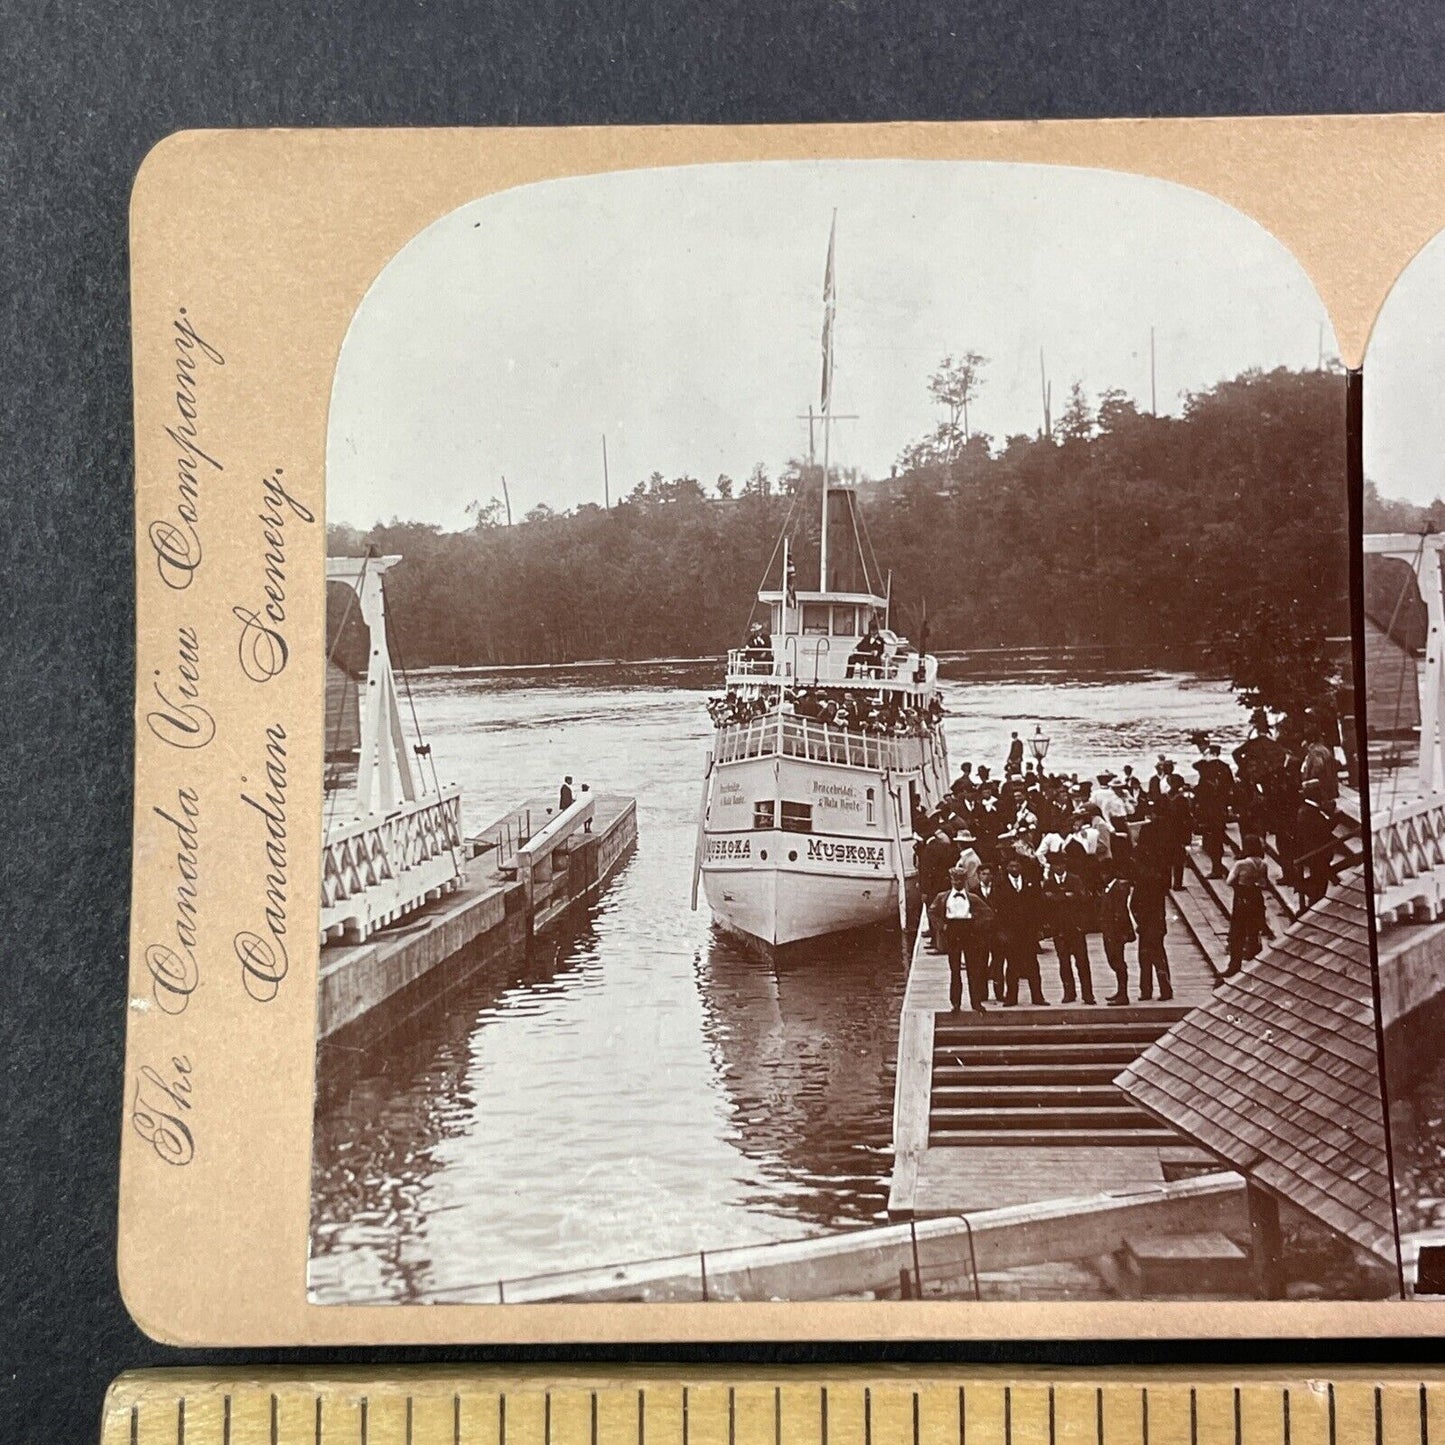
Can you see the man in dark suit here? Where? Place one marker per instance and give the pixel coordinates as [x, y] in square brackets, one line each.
[565, 796]
[1314, 837]
[1178, 820]
[1014, 766]
[1018, 921]
[1065, 904]
[996, 966]
[1146, 905]
[937, 855]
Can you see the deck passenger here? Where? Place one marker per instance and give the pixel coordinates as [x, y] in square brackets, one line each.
[867, 658]
[565, 796]
[758, 649]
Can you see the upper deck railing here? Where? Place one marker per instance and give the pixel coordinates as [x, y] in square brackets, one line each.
[780, 735]
[823, 665]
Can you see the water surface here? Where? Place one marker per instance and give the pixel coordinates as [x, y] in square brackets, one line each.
[644, 1086]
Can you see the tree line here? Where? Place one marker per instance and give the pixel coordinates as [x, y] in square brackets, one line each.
[1223, 527]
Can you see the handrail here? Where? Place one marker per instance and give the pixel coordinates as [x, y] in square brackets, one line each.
[429, 824]
[1404, 812]
[785, 735]
[1409, 843]
[376, 869]
[743, 663]
[558, 829]
[1010, 1235]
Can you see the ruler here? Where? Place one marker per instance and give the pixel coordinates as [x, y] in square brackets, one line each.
[880, 1406]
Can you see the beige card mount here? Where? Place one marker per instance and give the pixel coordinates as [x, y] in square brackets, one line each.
[464, 793]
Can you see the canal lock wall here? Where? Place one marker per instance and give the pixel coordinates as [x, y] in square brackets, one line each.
[487, 923]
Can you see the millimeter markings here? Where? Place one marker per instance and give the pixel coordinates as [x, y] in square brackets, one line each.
[863, 1407]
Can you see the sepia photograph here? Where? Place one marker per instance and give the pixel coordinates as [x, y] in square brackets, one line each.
[841, 766]
[1404, 610]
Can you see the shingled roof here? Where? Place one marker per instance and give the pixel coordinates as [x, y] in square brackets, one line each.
[1279, 1074]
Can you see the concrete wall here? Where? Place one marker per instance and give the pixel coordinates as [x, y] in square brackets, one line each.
[481, 925]
[355, 980]
[1412, 970]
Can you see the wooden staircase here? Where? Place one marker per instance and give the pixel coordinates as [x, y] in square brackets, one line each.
[1042, 1077]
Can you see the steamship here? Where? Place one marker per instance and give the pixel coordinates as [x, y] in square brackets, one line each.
[828, 743]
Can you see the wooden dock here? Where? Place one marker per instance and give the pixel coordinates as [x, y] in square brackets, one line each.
[521, 877]
[1018, 1105]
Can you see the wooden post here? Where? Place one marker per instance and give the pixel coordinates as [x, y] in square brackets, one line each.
[1268, 1246]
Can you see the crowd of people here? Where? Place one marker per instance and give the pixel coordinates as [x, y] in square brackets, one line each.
[1007, 862]
[856, 710]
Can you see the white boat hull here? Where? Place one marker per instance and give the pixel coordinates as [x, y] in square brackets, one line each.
[780, 905]
[806, 827]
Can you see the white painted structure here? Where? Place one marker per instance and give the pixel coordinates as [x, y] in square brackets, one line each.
[1422, 553]
[806, 827]
[393, 843]
[1407, 824]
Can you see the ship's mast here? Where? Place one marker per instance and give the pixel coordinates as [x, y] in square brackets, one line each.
[830, 302]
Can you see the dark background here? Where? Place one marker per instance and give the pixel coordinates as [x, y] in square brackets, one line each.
[85, 90]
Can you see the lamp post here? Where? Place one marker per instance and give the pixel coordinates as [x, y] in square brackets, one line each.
[1039, 746]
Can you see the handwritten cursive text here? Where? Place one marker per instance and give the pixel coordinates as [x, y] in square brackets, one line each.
[262, 954]
[262, 647]
[158, 1109]
[176, 537]
[179, 718]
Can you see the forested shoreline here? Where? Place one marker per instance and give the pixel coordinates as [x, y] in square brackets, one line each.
[1225, 526]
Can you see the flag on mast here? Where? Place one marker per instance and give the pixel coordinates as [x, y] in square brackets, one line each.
[830, 302]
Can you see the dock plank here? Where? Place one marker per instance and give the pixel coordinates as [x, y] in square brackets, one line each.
[911, 1101]
[953, 1181]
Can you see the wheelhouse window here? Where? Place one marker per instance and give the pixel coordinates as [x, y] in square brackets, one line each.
[815, 619]
[845, 621]
[797, 817]
[763, 814]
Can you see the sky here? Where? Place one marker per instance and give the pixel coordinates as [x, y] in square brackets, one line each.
[678, 311]
[1404, 421]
